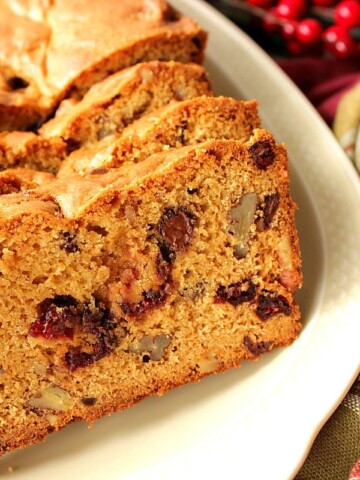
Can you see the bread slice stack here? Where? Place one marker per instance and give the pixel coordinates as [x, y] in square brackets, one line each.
[147, 230]
[61, 49]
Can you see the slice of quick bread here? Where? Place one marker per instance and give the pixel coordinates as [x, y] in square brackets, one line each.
[112, 104]
[176, 125]
[107, 108]
[125, 284]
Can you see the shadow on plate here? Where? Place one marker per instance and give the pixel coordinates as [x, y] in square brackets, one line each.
[221, 83]
[308, 224]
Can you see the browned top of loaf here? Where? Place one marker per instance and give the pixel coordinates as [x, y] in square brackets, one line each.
[15, 180]
[125, 86]
[25, 149]
[71, 44]
[73, 197]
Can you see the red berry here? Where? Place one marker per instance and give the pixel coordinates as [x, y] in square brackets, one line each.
[345, 48]
[288, 30]
[309, 31]
[334, 33]
[270, 23]
[260, 3]
[291, 9]
[347, 13]
[295, 48]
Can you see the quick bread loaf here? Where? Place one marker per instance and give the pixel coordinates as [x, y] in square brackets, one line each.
[147, 231]
[62, 48]
[150, 276]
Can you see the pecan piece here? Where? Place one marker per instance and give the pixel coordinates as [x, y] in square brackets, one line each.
[240, 219]
[52, 398]
[88, 401]
[153, 346]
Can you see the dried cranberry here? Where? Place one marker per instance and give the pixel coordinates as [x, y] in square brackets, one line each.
[151, 299]
[166, 251]
[100, 323]
[271, 204]
[38, 411]
[57, 318]
[236, 293]
[69, 242]
[89, 401]
[10, 185]
[96, 320]
[256, 347]
[17, 83]
[170, 14]
[71, 145]
[176, 227]
[97, 229]
[180, 137]
[262, 153]
[62, 316]
[98, 171]
[268, 306]
[76, 358]
[163, 268]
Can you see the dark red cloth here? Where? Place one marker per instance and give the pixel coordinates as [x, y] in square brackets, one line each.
[323, 81]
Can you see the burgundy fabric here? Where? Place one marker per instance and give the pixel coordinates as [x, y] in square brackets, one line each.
[323, 81]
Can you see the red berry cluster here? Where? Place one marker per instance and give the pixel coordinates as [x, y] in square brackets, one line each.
[311, 26]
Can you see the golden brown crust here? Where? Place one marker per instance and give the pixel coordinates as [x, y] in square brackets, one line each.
[112, 104]
[103, 38]
[15, 180]
[26, 149]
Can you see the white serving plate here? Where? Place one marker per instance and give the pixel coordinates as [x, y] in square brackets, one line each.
[258, 421]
